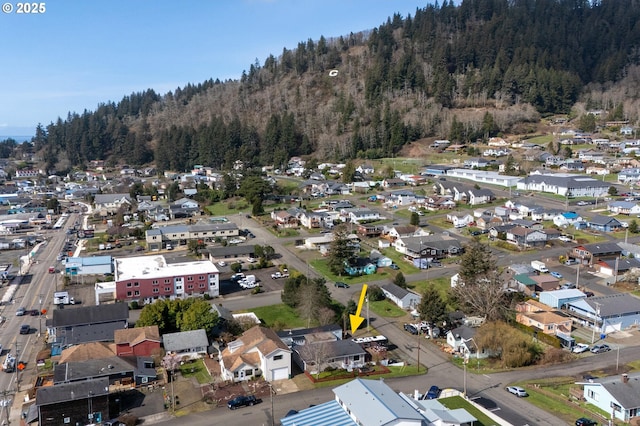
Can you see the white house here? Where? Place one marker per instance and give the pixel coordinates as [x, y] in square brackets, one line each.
[404, 298]
[257, 352]
[190, 344]
[616, 395]
[566, 218]
[460, 221]
[565, 184]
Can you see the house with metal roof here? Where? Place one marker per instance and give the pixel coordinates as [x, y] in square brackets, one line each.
[96, 265]
[372, 402]
[617, 395]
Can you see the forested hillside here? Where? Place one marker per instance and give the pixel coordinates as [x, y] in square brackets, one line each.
[463, 72]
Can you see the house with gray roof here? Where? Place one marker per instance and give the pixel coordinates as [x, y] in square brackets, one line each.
[341, 354]
[604, 223]
[107, 204]
[591, 254]
[69, 403]
[609, 313]
[191, 344]
[624, 207]
[87, 323]
[565, 184]
[618, 395]
[404, 298]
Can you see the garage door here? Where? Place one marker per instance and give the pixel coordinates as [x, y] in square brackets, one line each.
[280, 373]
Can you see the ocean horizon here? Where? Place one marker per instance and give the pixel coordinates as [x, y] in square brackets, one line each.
[16, 138]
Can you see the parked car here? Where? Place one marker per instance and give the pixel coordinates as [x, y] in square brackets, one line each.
[394, 266]
[340, 284]
[583, 421]
[564, 238]
[411, 328]
[222, 263]
[580, 348]
[556, 274]
[517, 391]
[567, 286]
[598, 349]
[21, 311]
[25, 329]
[433, 393]
[242, 401]
[435, 263]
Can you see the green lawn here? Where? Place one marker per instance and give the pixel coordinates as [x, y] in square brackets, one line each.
[407, 370]
[279, 316]
[552, 395]
[455, 402]
[196, 369]
[229, 207]
[386, 309]
[441, 283]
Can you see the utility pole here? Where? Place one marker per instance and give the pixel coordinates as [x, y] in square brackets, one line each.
[15, 368]
[368, 323]
[271, 392]
[40, 316]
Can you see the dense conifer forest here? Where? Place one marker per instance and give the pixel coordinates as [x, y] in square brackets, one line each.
[462, 72]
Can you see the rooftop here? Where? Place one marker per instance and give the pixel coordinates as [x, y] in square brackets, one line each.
[146, 267]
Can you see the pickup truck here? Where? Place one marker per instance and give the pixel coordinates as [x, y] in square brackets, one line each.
[278, 274]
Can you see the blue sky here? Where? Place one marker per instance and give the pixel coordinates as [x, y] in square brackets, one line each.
[80, 53]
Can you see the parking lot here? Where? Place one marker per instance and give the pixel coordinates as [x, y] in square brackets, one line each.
[263, 277]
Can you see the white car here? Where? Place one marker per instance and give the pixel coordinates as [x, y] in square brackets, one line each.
[517, 391]
[222, 263]
[565, 238]
[580, 348]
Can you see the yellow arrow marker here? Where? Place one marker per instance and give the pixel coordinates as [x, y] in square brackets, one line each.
[356, 319]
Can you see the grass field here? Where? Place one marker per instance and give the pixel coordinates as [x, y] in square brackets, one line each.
[386, 309]
[196, 369]
[455, 402]
[279, 317]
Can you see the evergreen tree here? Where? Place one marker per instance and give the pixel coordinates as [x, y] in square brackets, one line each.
[432, 307]
[342, 251]
[400, 281]
[415, 219]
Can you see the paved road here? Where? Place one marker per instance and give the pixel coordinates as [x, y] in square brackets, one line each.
[34, 292]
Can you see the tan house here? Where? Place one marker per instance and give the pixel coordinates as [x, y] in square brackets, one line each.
[258, 352]
[537, 315]
[87, 351]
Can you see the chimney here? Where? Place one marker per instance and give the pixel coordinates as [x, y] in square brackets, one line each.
[625, 378]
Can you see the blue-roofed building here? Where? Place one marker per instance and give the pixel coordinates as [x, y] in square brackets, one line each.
[97, 265]
[329, 413]
[372, 402]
